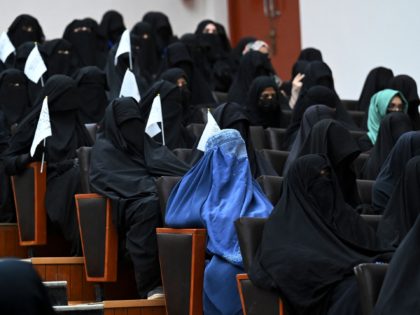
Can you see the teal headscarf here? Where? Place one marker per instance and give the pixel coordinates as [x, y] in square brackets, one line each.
[377, 110]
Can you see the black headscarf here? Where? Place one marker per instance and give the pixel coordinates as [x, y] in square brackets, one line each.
[124, 160]
[115, 73]
[298, 67]
[161, 28]
[407, 146]
[377, 80]
[329, 137]
[21, 290]
[310, 54]
[392, 127]
[236, 53]
[233, 116]
[88, 44]
[176, 135]
[403, 207]
[178, 56]
[408, 87]
[312, 115]
[22, 53]
[14, 98]
[315, 95]
[312, 240]
[399, 289]
[253, 64]
[112, 26]
[59, 57]
[91, 84]
[25, 28]
[148, 57]
[266, 113]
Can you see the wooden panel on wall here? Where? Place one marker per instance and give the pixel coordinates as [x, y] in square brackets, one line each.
[9, 241]
[246, 18]
[70, 269]
[135, 307]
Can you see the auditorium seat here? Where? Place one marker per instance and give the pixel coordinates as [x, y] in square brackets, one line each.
[276, 158]
[271, 186]
[29, 188]
[181, 257]
[92, 129]
[370, 278]
[359, 162]
[255, 301]
[257, 136]
[358, 117]
[275, 137]
[350, 104]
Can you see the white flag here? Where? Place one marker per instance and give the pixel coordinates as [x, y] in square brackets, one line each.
[43, 128]
[35, 66]
[129, 86]
[155, 116]
[210, 129]
[6, 46]
[124, 46]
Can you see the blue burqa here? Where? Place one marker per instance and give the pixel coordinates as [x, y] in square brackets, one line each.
[213, 194]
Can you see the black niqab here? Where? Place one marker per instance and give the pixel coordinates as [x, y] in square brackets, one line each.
[312, 240]
[59, 57]
[14, 98]
[310, 54]
[403, 207]
[329, 137]
[162, 29]
[253, 64]
[265, 113]
[112, 26]
[408, 87]
[25, 28]
[392, 127]
[92, 85]
[407, 146]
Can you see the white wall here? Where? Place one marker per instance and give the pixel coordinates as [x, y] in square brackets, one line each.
[358, 35]
[55, 15]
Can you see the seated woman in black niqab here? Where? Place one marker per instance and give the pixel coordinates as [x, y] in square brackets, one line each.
[317, 94]
[253, 64]
[92, 86]
[311, 242]
[392, 127]
[115, 72]
[215, 46]
[264, 103]
[68, 134]
[162, 29]
[176, 135]
[399, 291]
[111, 27]
[408, 87]
[407, 146]
[178, 56]
[123, 167]
[59, 57]
[21, 290]
[331, 138]
[14, 97]
[233, 116]
[88, 44]
[403, 206]
[25, 28]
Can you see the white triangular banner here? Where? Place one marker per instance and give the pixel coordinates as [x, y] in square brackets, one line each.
[43, 128]
[124, 46]
[6, 46]
[35, 66]
[129, 86]
[155, 116]
[210, 129]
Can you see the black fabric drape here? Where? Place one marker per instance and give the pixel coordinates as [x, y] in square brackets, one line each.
[111, 27]
[25, 28]
[407, 146]
[408, 87]
[311, 242]
[392, 127]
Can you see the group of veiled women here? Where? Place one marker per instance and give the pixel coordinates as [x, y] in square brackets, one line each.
[314, 236]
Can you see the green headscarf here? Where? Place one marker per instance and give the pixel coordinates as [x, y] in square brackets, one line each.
[377, 110]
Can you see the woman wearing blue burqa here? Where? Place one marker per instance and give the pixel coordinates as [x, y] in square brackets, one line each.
[213, 194]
